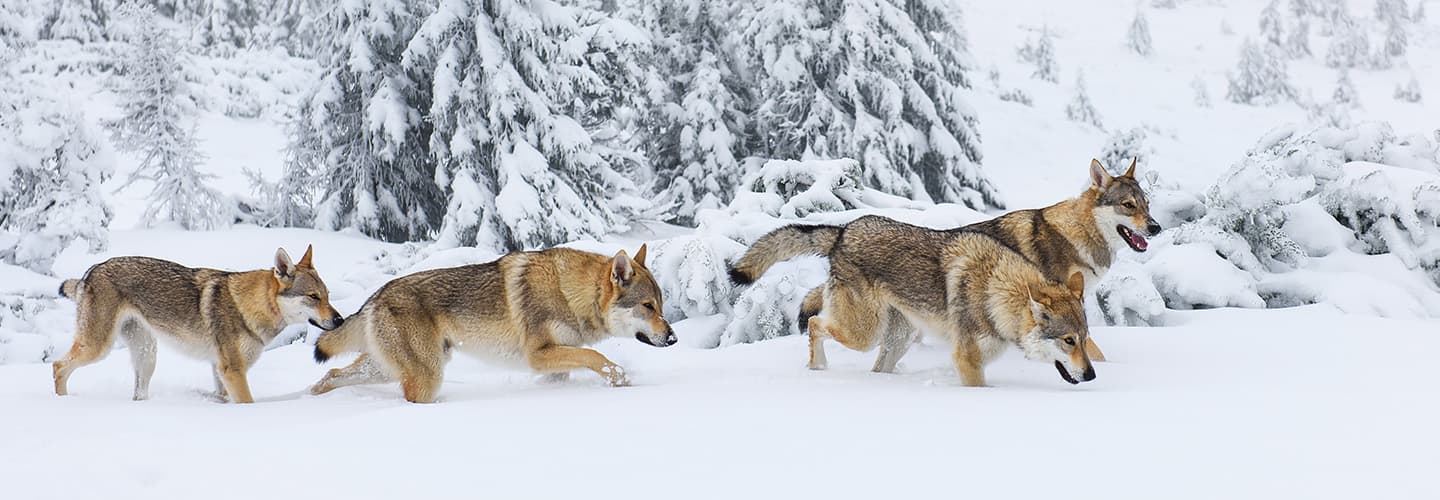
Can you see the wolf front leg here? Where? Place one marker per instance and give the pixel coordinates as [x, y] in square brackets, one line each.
[561, 358]
[232, 365]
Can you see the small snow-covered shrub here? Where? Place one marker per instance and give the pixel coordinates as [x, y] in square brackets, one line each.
[692, 274]
[1409, 92]
[1125, 146]
[796, 189]
[1260, 77]
[52, 165]
[1017, 96]
[256, 83]
[1344, 216]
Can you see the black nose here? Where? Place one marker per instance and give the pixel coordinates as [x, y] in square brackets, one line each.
[1153, 228]
[1089, 374]
[670, 338]
[337, 321]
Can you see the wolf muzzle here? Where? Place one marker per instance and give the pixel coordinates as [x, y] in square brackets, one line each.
[1065, 374]
[334, 323]
[669, 339]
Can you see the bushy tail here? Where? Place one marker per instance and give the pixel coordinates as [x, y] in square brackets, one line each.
[70, 289]
[349, 337]
[783, 244]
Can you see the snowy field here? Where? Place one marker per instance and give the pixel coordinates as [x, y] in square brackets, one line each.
[1333, 398]
[1300, 403]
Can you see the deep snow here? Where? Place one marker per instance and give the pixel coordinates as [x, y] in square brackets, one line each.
[1296, 403]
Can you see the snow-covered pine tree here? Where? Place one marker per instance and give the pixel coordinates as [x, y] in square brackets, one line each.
[1409, 92]
[158, 111]
[52, 165]
[1350, 47]
[1345, 93]
[81, 20]
[360, 132]
[1297, 42]
[529, 96]
[696, 130]
[1300, 9]
[1139, 39]
[1041, 53]
[1202, 93]
[1271, 30]
[1260, 77]
[1395, 39]
[1125, 146]
[875, 81]
[1392, 11]
[14, 32]
[1080, 108]
[225, 25]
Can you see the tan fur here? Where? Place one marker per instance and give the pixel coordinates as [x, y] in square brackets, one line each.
[965, 287]
[1061, 239]
[226, 318]
[531, 308]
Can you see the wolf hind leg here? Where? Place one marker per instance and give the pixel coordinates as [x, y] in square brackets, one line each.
[898, 336]
[94, 336]
[141, 342]
[364, 370]
[851, 317]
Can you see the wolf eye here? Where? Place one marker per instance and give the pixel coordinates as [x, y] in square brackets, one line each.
[1070, 340]
[1129, 205]
[314, 296]
[650, 306]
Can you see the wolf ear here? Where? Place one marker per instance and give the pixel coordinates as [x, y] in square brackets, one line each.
[305, 259]
[621, 268]
[640, 256]
[1131, 172]
[1076, 284]
[284, 268]
[1099, 177]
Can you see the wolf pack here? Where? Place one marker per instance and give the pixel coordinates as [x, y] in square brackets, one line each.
[1018, 279]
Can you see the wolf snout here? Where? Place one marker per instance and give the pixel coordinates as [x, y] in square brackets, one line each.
[1089, 374]
[1152, 228]
[330, 324]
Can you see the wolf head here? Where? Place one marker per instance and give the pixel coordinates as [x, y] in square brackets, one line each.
[1122, 211]
[1058, 329]
[302, 295]
[633, 303]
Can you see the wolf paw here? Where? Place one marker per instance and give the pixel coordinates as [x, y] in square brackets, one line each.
[615, 375]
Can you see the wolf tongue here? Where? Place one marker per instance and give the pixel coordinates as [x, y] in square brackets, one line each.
[1138, 241]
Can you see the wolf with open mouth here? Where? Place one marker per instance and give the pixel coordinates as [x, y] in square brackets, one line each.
[1082, 234]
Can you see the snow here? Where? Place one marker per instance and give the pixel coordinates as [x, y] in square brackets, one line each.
[1309, 399]
[1304, 403]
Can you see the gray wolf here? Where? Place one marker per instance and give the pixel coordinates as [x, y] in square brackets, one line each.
[224, 317]
[536, 308]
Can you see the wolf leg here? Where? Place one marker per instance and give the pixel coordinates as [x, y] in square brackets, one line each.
[364, 370]
[142, 355]
[851, 317]
[970, 361]
[560, 358]
[94, 335]
[899, 335]
[232, 366]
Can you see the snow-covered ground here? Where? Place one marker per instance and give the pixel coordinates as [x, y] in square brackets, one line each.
[1297, 403]
[1305, 402]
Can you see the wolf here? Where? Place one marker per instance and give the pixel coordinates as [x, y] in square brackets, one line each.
[1082, 234]
[223, 317]
[966, 287]
[536, 308]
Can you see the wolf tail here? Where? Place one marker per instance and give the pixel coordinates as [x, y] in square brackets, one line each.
[782, 244]
[348, 337]
[70, 289]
